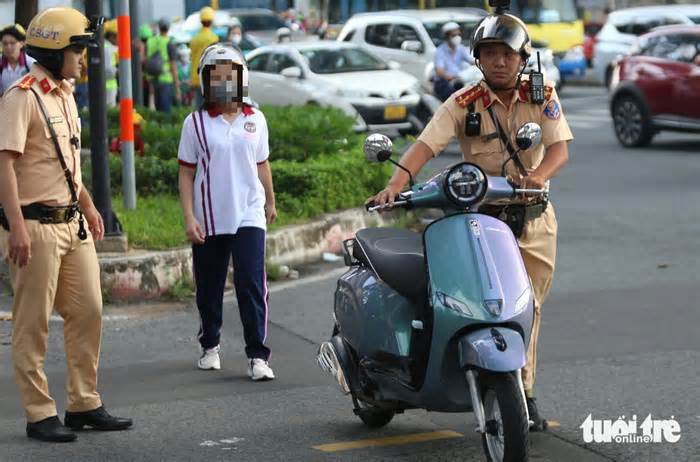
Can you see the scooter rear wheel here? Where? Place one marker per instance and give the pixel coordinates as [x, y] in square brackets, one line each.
[373, 416]
[507, 435]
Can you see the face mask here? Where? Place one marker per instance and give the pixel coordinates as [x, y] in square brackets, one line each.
[236, 39]
[226, 92]
[456, 40]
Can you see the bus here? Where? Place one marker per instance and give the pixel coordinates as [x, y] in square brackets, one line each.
[551, 23]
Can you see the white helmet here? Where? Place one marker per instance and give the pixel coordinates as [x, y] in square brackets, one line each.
[449, 27]
[220, 53]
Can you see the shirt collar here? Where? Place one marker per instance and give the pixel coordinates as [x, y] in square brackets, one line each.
[47, 82]
[489, 96]
[215, 112]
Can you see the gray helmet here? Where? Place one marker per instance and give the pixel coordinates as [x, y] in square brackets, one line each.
[502, 28]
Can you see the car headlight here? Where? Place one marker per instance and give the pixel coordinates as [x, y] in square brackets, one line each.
[465, 184]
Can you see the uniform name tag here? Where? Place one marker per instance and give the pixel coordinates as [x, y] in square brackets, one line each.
[55, 119]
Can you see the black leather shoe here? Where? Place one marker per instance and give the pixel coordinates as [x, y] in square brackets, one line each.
[50, 429]
[98, 419]
[537, 423]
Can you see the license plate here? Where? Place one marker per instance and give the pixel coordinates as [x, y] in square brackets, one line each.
[394, 112]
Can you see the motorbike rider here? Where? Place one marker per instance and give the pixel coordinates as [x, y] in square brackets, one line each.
[483, 117]
[449, 58]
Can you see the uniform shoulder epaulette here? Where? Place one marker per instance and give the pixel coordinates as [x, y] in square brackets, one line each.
[469, 95]
[26, 82]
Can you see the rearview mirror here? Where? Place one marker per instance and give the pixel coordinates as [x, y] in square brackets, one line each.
[377, 148]
[412, 45]
[528, 136]
[291, 72]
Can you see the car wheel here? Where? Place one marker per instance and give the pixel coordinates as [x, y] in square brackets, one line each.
[631, 122]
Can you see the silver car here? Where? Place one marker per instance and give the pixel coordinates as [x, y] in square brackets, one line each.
[372, 91]
[410, 37]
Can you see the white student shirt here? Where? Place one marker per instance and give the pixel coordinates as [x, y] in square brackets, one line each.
[227, 192]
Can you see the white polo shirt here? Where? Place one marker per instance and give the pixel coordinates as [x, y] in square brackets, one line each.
[8, 75]
[227, 192]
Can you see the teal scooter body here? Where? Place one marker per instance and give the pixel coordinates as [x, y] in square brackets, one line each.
[440, 320]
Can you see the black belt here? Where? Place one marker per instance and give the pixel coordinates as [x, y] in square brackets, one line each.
[515, 215]
[532, 211]
[45, 214]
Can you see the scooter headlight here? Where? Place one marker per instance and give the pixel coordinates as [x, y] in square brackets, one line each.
[465, 184]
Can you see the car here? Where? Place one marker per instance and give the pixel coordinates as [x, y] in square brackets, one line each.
[262, 24]
[328, 73]
[410, 37]
[622, 28]
[657, 87]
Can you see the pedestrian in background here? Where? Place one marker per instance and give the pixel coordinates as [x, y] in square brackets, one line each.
[450, 56]
[198, 44]
[14, 63]
[161, 64]
[52, 258]
[227, 200]
[111, 59]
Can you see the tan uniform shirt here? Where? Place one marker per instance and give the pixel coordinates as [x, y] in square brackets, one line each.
[486, 150]
[38, 169]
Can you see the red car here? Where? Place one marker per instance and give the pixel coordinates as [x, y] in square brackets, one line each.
[657, 87]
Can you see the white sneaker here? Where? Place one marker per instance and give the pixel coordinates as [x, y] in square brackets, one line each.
[210, 361]
[259, 369]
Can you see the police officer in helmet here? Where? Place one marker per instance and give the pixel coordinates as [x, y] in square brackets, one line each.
[484, 119]
[48, 222]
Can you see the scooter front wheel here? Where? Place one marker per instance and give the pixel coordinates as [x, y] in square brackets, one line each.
[373, 416]
[506, 438]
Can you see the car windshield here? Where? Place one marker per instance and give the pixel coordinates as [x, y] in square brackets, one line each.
[435, 30]
[336, 60]
[639, 26]
[257, 22]
[544, 11]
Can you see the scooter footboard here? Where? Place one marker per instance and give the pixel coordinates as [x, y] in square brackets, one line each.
[498, 349]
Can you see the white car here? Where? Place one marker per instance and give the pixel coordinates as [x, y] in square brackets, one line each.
[410, 37]
[328, 73]
[619, 34]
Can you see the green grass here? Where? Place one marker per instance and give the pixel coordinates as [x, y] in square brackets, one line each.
[155, 224]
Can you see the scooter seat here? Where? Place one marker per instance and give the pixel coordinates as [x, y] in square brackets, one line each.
[396, 255]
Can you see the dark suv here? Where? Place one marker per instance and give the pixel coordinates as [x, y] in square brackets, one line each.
[657, 87]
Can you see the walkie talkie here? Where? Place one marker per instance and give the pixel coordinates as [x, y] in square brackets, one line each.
[537, 84]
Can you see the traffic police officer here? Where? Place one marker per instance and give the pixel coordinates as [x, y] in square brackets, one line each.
[501, 47]
[52, 256]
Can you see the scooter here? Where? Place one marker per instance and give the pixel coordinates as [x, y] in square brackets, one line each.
[439, 321]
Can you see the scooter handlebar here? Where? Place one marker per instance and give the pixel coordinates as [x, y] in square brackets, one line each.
[401, 200]
[373, 207]
[529, 192]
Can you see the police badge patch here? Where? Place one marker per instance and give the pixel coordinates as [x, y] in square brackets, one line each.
[551, 111]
